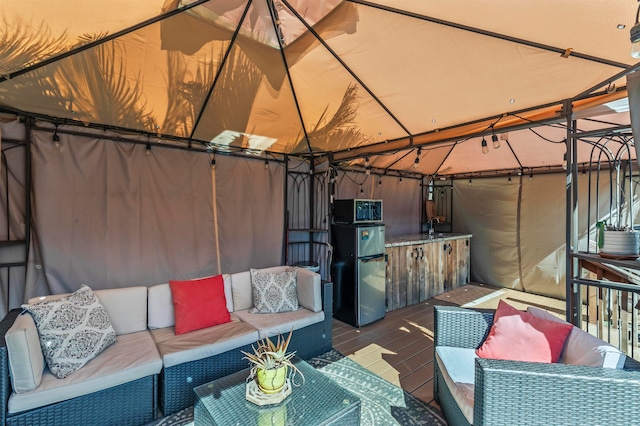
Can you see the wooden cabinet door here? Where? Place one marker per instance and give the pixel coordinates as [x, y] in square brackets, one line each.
[456, 255]
[434, 271]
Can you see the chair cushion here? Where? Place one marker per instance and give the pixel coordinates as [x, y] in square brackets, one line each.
[273, 292]
[204, 343]
[583, 348]
[309, 289]
[73, 330]
[126, 307]
[458, 369]
[26, 362]
[519, 336]
[198, 303]
[132, 357]
[269, 325]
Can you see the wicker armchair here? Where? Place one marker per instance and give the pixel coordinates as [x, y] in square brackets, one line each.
[526, 393]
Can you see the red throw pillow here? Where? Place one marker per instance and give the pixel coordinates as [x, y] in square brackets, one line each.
[520, 336]
[199, 303]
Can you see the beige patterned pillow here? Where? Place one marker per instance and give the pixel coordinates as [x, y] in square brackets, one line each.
[72, 330]
[273, 292]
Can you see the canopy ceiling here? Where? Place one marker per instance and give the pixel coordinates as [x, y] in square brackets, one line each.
[351, 78]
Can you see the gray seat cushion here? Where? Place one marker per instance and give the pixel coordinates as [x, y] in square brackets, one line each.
[458, 369]
[132, 357]
[200, 344]
[269, 325]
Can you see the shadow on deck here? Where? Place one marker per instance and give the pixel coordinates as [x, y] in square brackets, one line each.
[399, 348]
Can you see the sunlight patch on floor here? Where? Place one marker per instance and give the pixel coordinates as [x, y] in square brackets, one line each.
[371, 358]
[428, 333]
[485, 299]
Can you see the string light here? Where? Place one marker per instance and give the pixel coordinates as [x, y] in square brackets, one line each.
[56, 138]
[148, 148]
[266, 164]
[496, 142]
[494, 139]
[213, 161]
[469, 181]
[485, 148]
[510, 182]
[416, 163]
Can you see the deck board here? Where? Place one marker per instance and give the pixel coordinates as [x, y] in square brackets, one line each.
[399, 347]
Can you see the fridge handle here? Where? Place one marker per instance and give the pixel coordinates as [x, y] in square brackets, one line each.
[376, 258]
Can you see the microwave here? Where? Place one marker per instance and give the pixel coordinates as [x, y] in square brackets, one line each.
[357, 211]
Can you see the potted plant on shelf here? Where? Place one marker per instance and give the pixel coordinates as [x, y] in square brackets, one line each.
[270, 364]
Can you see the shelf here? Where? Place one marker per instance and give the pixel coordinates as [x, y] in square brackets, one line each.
[12, 243]
[596, 259]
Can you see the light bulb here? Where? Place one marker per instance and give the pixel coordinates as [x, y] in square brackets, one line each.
[510, 182]
[148, 149]
[635, 41]
[485, 148]
[564, 161]
[496, 142]
[469, 182]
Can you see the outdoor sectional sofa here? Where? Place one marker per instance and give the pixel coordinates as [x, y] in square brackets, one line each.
[483, 391]
[150, 367]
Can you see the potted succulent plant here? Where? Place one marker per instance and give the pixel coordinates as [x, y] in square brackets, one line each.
[270, 364]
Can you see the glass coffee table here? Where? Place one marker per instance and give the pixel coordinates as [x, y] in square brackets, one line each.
[319, 401]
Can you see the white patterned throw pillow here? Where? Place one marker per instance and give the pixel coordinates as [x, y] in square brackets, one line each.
[72, 330]
[273, 292]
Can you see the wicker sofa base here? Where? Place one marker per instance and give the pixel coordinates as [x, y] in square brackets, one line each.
[177, 382]
[448, 404]
[136, 405]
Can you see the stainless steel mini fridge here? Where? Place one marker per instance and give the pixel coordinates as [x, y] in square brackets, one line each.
[359, 291]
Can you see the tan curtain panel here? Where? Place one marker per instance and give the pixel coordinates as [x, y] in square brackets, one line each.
[519, 229]
[111, 214]
[250, 204]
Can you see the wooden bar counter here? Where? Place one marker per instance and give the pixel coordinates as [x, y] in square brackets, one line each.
[420, 266]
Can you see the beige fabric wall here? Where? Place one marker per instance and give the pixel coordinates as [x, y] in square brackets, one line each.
[110, 214]
[400, 199]
[488, 210]
[519, 229]
[250, 203]
[107, 214]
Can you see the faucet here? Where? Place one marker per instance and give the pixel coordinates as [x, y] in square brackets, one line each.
[431, 224]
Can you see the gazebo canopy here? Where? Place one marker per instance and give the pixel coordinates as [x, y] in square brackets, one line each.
[352, 78]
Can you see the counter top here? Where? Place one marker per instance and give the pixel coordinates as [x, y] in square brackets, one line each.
[410, 239]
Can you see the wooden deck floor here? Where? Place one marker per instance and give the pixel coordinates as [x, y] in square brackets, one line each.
[399, 347]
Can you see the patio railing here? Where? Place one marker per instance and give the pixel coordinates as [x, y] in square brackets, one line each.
[610, 311]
